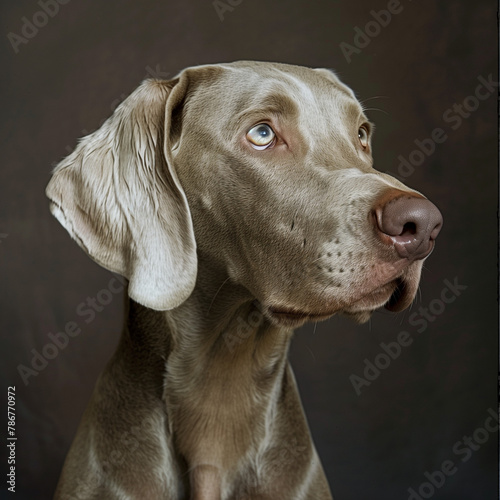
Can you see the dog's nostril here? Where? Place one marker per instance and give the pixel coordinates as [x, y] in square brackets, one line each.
[409, 228]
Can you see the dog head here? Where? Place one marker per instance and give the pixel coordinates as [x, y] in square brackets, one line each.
[266, 169]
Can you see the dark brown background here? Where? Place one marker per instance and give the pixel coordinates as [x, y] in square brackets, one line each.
[69, 77]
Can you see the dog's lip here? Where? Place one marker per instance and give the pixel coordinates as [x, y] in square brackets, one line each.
[295, 314]
[394, 291]
[395, 295]
[401, 297]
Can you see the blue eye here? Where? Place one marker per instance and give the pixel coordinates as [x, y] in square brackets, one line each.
[261, 136]
[363, 137]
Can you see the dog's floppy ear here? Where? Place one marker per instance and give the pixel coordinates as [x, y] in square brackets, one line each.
[119, 197]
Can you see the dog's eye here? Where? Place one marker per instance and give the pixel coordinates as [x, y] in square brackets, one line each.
[363, 137]
[261, 136]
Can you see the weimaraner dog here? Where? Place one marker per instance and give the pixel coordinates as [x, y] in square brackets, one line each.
[239, 201]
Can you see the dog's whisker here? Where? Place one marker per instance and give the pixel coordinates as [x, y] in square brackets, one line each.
[312, 353]
[377, 109]
[374, 97]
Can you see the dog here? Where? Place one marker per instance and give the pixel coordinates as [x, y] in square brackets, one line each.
[239, 201]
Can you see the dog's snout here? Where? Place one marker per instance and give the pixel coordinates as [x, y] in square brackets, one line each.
[410, 222]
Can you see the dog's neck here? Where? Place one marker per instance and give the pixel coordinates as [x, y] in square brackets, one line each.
[223, 367]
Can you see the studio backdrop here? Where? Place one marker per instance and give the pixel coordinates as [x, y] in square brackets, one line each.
[392, 419]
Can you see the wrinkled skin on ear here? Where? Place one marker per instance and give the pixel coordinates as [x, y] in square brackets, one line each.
[120, 199]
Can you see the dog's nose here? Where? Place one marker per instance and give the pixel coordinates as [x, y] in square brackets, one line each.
[410, 222]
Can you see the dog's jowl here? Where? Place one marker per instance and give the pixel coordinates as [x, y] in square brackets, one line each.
[239, 201]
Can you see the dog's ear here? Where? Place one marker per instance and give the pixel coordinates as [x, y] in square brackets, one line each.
[119, 197]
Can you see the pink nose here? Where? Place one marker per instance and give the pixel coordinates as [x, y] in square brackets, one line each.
[410, 222]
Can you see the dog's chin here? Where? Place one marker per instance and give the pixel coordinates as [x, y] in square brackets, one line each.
[359, 317]
[361, 310]
[293, 318]
[394, 296]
